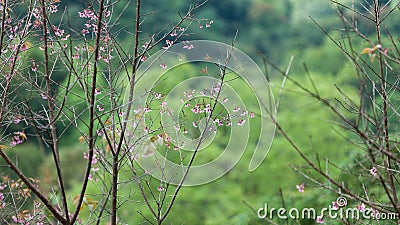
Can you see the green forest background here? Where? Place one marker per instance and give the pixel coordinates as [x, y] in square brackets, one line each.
[278, 29]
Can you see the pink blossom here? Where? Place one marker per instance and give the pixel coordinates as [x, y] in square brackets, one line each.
[36, 13]
[37, 23]
[108, 13]
[196, 109]
[188, 45]
[84, 31]
[375, 213]
[174, 33]
[207, 109]
[385, 52]
[37, 204]
[94, 159]
[320, 219]
[100, 108]
[16, 121]
[160, 188]
[97, 91]
[241, 122]
[163, 65]
[87, 13]
[65, 37]
[300, 187]
[335, 205]
[34, 66]
[361, 207]
[251, 115]
[53, 8]
[373, 171]
[158, 96]
[18, 138]
[58, 32]
[168, 44]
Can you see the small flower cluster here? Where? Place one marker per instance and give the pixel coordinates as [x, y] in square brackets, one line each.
[373, 171]
[188, 45]
[18, 138]
[300, 187]
[90, 26]
[200, 106]
[177, 30]
[18, 192]
[94, 162]
[207, 23]
[91, 23]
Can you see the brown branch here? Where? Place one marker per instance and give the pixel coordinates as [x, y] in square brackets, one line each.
[92, 116]
[387, 161]
[52, 125]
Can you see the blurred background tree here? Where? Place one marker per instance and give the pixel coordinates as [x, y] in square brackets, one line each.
[276, 28]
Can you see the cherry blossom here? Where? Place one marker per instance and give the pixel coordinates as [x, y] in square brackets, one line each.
[168, 44]
[241, 122]
[18, 138]
[373, 171]
[361, 207]
[100, 108]
[335, 205]
[53, 8]
[158, 96]
[160, 188]
[97, 91]
[300, 187]
[251, 115]
[320, 219]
